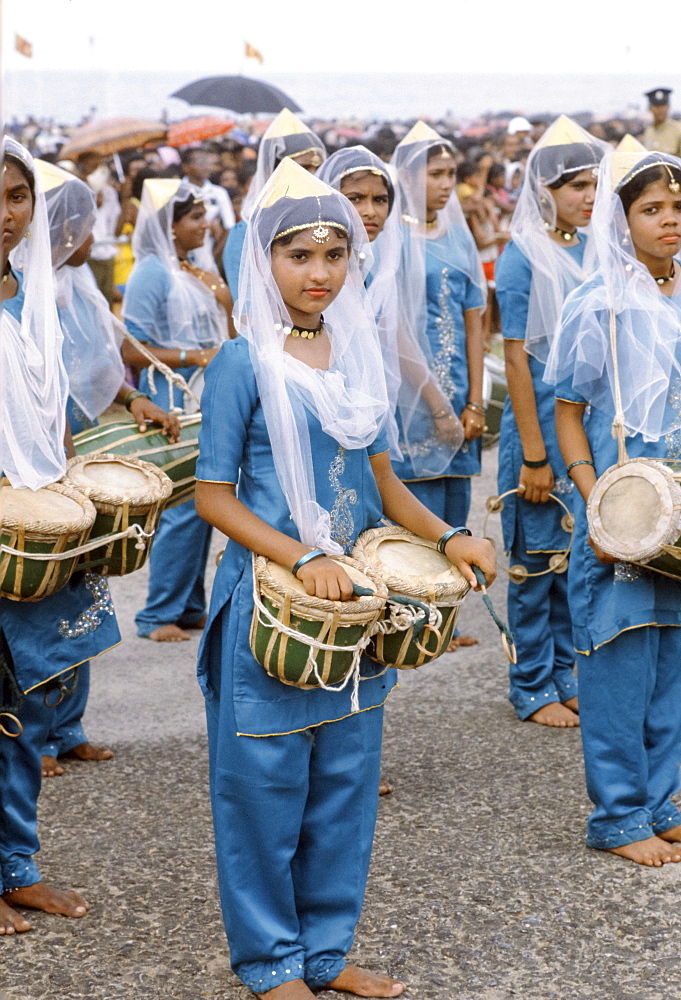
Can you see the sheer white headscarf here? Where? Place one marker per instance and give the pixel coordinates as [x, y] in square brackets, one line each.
[563, 151]
[33, 382]
[645, 370]
[92, 334]
[350, 399]
[192, 317]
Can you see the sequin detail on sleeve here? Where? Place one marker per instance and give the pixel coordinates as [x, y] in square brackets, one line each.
[342, 521]
[90, 619]
[673, 439]
[627, 572]
[446, 337]
[563, 486]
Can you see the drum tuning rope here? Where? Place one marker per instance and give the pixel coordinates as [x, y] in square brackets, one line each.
[618, 422]
[133, 531]
[172, 377]
[507, 639]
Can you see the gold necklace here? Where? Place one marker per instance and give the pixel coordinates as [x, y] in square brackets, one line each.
[300, 331]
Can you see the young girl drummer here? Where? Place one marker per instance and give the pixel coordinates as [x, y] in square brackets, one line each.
[293, 411]
[625, 618]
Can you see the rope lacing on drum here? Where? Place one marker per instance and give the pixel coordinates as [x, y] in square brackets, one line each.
[133, 531]
[171, 377]
[618, 421]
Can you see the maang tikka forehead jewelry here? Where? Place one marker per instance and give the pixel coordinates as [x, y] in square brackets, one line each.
[320, 234]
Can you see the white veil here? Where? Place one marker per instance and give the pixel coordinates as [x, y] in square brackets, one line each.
[564, 148]
[34, 386]
[645, 371]
[92, 334]
[350, 399]
[194, 318]
[286, 136]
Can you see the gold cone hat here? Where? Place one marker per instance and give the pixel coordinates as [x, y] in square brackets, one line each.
[564, 132]
[51, 176]
[628, 154]
[290, 180]
[285, 123]
[160, 190]
[421, 133]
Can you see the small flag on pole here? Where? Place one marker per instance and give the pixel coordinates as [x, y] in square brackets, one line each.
[252, 53]
[23, 47]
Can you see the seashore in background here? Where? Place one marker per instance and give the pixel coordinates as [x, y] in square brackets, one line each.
[68, 96]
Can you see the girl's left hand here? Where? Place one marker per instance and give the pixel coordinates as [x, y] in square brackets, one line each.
[143, 410]
[473, 423]
[465, 551]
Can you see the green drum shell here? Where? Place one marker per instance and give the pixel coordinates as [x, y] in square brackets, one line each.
[404, 651]
[178, 461]
[24, 579]
[118, 558]
[336, 623]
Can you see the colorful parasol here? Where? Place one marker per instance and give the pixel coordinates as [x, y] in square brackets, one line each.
[197, 129]
[111, 135]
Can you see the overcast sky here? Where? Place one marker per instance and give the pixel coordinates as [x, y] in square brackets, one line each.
[520, 36]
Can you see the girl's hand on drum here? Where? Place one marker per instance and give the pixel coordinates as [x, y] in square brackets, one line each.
[602, 556]
[535, 484]
[465, 551]
[326, 579]
[143, 410]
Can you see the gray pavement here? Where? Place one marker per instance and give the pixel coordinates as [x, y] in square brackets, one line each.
[480, 889]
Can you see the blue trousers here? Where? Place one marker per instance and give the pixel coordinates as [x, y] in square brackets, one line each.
[449, 498]
[66, 731]
[20, 780]
[539, 617]
[294, 820]
[630, 717]
[177, 565]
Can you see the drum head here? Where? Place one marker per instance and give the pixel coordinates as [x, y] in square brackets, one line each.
[412, 559]
[634, 510]
[113, 475]
[113, 479]
[45, 510]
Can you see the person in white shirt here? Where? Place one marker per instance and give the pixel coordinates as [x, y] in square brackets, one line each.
[198, 166]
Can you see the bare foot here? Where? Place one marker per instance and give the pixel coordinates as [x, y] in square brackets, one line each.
[87, 751]
[556, 715]
[672, 836]
[168, 633]
[51, 767]
[572, 704]
[294, 989]
[11, 922]
[461, 640]
[40, 896]
[384, 787]
[366, 984]
[653, 852]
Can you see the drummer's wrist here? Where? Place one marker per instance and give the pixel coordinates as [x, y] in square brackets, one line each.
[132, 396]
[306, 558]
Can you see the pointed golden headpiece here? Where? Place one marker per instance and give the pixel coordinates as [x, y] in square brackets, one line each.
[160, 190]
[563, 132]
[51, 176]
[421, 133]
[285, 123]
[625, 159]
[290, 180]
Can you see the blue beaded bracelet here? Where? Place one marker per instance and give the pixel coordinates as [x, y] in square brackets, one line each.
[583, 461]
[314, 554]
[449, 534]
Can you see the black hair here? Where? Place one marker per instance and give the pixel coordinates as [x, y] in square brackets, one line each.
[245, 172]
[360, 175]
[145, 174]
[187, 155]
[466, 170]
[634, 188]
[441, 149]
[287, 239]
[496, 170]
[17, 162]
[182, 208]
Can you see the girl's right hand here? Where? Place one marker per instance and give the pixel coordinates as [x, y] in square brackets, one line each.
[603, 557]
[537, 484]
[326, 579]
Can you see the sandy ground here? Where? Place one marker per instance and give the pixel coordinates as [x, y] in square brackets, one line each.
[480, 889]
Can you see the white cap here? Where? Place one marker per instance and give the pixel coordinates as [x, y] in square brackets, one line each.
[518, 124]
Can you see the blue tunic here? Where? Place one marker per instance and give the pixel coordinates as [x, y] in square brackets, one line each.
[540, 523]
[231, 256]
[345, 486]
[449, 293]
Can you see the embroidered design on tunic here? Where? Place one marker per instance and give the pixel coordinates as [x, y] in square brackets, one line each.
[342, 521]
[562, 486]
[442, 362]
[627, 572]
[90, 619]
[673, 439]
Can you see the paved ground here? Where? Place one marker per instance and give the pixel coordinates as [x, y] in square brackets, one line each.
[480, 887]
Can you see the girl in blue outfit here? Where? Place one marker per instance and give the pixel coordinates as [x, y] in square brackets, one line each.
[543, 262]
[625, 618]
[92, 358]
[293, 412]
[41, 643]
[178, 309]
[285, 136]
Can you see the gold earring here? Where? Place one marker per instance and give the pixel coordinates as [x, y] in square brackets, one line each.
[28, 235]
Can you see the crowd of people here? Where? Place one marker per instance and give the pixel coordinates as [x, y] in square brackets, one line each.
[335, 306]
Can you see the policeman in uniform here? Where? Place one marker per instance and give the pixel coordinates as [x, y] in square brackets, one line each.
[664, 134]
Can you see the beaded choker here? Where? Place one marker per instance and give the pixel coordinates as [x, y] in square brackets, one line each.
[564, 233]
[299, 331]
[7, 273]
[668, 277]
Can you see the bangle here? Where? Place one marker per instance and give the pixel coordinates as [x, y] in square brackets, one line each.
[536, 465]
[444, 415]
[583, 461]
[132, 396]
[475, 406]
[450, 534]
[183, 357]
[313, 554]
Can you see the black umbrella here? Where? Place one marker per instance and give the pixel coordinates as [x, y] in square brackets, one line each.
[240, 94]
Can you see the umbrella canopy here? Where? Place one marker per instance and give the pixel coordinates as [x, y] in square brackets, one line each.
[197, 129]
[111, 135]
[241, 94]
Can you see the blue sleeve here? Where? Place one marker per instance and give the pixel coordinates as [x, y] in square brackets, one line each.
[146, 296]
[565, 391]
[473, 298]
[231, 256]
[379, 444]
[229, 398]
[513, 276]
